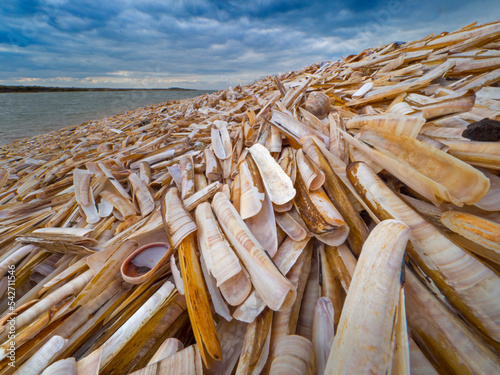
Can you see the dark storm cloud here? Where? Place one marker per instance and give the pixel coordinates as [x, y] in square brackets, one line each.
[200, 43]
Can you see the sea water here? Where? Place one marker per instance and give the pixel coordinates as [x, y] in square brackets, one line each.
[28, 114]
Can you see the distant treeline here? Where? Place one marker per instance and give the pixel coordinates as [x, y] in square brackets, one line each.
[64, 89]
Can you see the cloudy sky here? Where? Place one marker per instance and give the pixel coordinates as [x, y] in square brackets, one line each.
[201, 43]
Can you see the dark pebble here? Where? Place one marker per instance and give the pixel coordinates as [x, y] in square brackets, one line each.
[486, 130]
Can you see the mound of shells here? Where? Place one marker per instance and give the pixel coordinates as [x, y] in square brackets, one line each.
[341, 219]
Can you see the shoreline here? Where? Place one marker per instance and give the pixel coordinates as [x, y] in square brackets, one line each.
[52, 117]
[100, 122]
[35, 89]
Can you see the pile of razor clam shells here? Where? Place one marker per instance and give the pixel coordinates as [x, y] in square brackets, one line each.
[341, 219]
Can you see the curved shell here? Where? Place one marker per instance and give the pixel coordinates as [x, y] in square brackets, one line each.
[221, 260]
[144, 262]
[443, 334]
[186, 166]
[178, 221]
[252, 189]
[63, 367]
[84, 195]
[371, 304]
[430, 172]
[469, 285]
[481, 154]
[278, 184]
[475, 228]
[312, 176]
[391, 122]
[320, 215]
[293, 355]
[271, 285]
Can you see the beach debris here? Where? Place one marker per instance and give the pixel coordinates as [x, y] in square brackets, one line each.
[343, 218]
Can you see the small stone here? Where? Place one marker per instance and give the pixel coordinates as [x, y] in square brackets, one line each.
[486, 130]
[318, 104]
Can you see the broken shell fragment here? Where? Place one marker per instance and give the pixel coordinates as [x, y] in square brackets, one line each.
[278, 185]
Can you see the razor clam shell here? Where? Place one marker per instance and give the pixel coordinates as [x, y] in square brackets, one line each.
[337, 145]
[201, 195]
[448, 106]
[169, 347]
[186, 166]
[132, 325]
[42, 358]
[60, 242]
[271, 285]
[401, 356]
[84, 195]
[220, 306]
[287, 255]
[15, 257]
[468, 284]
[312, 121]
[252, 189]
[255, 350]
[441, 333]
[133, 279]
[293, 229]
[481, 154]
[220, 259]
[432, 173]
[278, 185]
[397, 124]
[320, 215]
[124, 206]
[176, 275]
[370, 306]
[236, 289]
[197, 301]
[334, 169]
[119, 188]
[142, 194]
[211, 165]
[287, 162]
[491, 201]
[104, 208]
[293, 355]
[331, 287]
[221, 141]
[312, 176]
[63, 367]
[484, 232]
[178, 221]
[312, 293]
[323, 332]
[186, 361]
[294, 128]
[263, 227]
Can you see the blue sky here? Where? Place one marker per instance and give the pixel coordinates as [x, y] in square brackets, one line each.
[201, 43]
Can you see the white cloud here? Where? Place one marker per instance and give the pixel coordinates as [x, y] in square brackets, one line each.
[207, 44]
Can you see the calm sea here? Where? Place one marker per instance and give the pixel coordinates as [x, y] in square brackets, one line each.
[28, 114]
